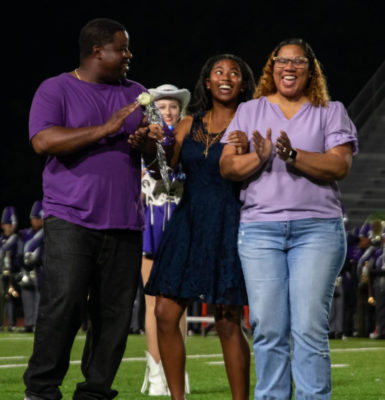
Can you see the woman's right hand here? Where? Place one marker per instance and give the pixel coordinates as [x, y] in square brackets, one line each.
[239, 140]
[263, 146]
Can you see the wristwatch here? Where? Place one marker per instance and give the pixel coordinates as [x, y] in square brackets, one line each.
[292, 156]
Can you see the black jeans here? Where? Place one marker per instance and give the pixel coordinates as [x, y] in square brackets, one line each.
[83, 268]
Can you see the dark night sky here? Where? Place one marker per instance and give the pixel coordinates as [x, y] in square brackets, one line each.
[170, 42]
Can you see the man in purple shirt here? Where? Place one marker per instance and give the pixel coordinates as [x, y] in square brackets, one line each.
[91, 128]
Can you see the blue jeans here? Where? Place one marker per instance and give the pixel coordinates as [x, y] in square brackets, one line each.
[83, 268]
[290, 269]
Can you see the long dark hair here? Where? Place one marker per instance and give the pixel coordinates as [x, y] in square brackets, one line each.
[201, 98]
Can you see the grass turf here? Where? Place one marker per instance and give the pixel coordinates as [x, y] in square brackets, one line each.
[358, 368]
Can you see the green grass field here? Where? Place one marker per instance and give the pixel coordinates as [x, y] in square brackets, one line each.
[358, 370]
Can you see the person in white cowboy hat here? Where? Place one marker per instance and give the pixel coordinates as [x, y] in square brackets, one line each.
[171, 102]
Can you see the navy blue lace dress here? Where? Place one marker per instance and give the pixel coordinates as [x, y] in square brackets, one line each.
[197, 258]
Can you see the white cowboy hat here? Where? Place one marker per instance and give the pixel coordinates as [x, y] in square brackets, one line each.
[167, 90]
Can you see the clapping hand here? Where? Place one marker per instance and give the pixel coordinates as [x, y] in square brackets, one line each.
[283, 146]
[117, 119]
[240, 140]
[263, 146]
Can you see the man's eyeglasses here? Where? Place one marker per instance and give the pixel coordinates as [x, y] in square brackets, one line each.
[298, 62]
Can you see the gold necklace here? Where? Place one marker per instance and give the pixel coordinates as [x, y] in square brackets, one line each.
[210, 141]
[77, 74]
[206, 152]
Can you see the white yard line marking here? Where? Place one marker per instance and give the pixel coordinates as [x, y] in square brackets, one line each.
[356, 349]
[194, 356]
[6, 366]
[126, 359]
[13, 358]
[222, 363]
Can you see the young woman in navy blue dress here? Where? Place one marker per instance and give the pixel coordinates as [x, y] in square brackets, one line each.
[197, 258]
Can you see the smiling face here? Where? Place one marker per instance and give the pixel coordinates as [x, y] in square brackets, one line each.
[225, 81]
[115, 57]
[170, 110]
[291, 80]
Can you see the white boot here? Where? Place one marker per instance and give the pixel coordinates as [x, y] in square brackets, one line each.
[186, 383]
[154, 378]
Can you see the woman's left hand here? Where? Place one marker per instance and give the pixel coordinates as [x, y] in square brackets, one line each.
[283, 146]
[240, 140]
[332, 165]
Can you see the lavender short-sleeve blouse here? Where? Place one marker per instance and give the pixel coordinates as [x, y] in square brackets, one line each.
[280, 192]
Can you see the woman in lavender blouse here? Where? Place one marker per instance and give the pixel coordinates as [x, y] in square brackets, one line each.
[291, 237]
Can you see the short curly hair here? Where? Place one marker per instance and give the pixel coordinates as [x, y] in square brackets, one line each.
[316, 89]
[97, 32]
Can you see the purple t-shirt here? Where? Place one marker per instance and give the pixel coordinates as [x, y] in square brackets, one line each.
[280, 192]
[98, 187]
